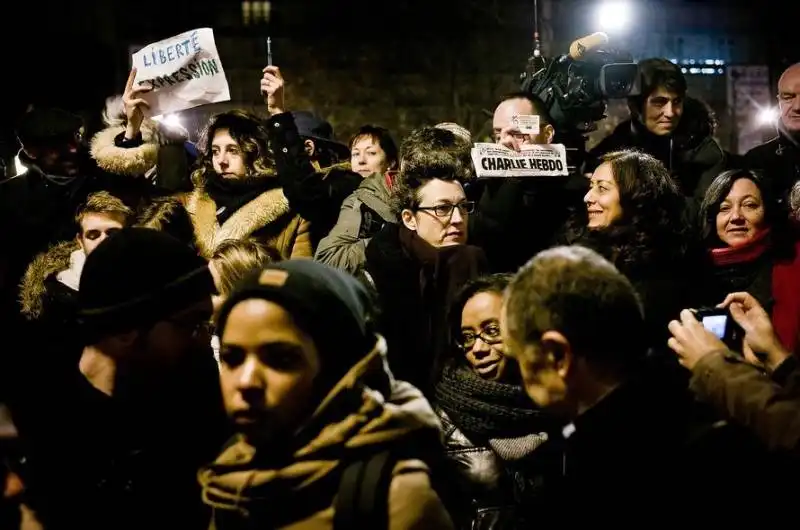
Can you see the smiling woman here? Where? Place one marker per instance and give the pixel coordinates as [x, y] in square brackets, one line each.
[751, 248]
[480, 401]
[636, 217]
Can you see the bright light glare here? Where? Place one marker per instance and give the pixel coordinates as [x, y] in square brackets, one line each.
[170, 120]
[613, 16]
[19, 167]
[767, 116]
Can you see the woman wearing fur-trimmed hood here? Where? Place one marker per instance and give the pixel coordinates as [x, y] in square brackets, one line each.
[236, 193]
[159, 152]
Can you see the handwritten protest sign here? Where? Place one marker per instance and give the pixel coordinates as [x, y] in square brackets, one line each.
[494, 160]
[185, 72]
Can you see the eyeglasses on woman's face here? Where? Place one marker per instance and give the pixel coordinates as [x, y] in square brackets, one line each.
[445, 211]
[489, 334]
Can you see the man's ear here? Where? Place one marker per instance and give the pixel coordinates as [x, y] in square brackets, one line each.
[559, 352]
[549, 133]
[311, 149]
[80, 242]
[408, 219]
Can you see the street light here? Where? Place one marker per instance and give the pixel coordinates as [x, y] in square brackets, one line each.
[767, 116]
[613, 16]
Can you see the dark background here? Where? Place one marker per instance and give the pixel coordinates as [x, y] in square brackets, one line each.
[399, 63]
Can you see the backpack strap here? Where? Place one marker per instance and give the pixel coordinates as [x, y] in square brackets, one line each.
[363, 497]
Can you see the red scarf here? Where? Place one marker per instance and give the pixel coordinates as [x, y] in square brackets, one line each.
[785, 314]
[743, 253]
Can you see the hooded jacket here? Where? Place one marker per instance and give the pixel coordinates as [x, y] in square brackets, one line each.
[51, 282]
[691, 154]
[161, 153]
[247, 489]
[363, 214]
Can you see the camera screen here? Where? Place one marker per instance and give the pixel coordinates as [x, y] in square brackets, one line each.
[716, 324]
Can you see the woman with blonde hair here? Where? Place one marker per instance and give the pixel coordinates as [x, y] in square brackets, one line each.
[234, 260]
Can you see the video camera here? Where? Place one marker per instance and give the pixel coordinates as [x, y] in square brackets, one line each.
[576, 86]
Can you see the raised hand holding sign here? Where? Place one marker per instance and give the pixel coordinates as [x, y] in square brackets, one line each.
[134, 103]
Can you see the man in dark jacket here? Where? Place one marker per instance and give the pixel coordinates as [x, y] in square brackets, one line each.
[314, 169]
[38, 207]
[575, 325]
[138, 409]
[779, 158]
[670, 126]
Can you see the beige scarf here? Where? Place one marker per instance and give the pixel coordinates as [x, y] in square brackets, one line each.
[351, 422]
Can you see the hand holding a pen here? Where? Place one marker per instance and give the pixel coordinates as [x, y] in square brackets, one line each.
[272, 89]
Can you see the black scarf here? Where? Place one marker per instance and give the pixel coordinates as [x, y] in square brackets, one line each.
[231, 194]
[487, 409]
[497, 415]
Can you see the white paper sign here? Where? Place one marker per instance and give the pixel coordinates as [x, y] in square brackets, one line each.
[494, 160]
[185, 72]
[526, 123]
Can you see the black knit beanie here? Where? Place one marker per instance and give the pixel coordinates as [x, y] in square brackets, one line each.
[331, 306]
[137, 277]
[44, 126]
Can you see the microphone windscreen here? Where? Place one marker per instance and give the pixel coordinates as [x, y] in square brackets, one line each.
[579, 47]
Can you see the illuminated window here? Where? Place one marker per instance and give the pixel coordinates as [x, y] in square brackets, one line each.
[701, 66]
[255, 12]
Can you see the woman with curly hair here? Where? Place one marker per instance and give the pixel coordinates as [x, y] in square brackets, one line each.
[236, 193]
[636, 217]
[418, 263]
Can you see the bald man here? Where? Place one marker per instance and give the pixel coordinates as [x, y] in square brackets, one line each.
[779, 158]
[789, 100]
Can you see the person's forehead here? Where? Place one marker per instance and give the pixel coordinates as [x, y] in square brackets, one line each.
[442, 189]
[98, 218]
[515, 106]
[790, 80]
[662, 92]
[365, 140]
[223, 137]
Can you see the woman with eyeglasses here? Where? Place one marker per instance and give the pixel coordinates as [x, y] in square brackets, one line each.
[488, 422]
[418, 264]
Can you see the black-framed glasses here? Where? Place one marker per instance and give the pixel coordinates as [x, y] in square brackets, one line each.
[446, 210]
[490, 335]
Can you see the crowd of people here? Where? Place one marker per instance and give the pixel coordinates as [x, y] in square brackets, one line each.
[273, 329]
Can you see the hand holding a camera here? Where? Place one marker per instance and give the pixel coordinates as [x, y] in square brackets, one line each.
[761, 345]
[692, 341]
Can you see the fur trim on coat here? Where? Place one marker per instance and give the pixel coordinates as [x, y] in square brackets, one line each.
[265, 209]
[48, 263]
[135, 161]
